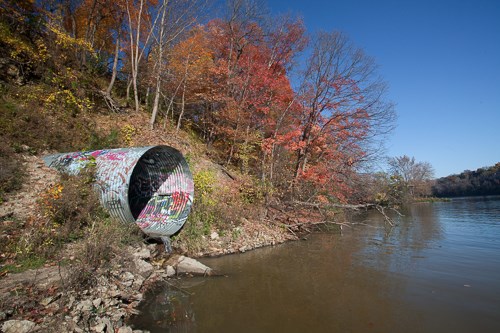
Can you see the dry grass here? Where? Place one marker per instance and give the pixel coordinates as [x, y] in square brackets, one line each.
[11, 171]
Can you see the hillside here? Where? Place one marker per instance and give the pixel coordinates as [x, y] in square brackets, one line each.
[268, 162]
[483, 181]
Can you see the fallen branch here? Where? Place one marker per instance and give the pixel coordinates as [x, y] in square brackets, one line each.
[290, 227]
[330, 205]
[379, 208]
[110, 102]
[178, 288]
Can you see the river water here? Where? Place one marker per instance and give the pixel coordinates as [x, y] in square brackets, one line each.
[437, 270]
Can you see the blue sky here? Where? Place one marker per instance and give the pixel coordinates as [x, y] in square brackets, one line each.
[442, 62]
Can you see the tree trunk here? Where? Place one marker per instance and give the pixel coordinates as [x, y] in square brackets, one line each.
[183, 93]
[134, 51]
[171, 104]
[136, 92]
[182, 107]
[115, 64]
[129, 83]
[156, 103]
[158, 70]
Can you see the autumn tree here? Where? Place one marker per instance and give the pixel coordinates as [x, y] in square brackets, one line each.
[343, 111]
[253, 92]
[285, 39]
[190, 65]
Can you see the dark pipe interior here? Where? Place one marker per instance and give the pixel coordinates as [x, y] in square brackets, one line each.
[150, 172]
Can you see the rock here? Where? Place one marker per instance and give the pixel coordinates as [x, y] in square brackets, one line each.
[128, 283]
[46, 301]
[118, 316]
[53, 307]
[18, 326]
[143, 253]
[125, 329]
[169, 271]
[138, 296]
[70, 302]
[97, 302]
[143, 267]
[189, 265]
[127, 278]
[111, 302]
[99, 327]
[85, 305]
[214, 235]
[138, 282]
[109, 325]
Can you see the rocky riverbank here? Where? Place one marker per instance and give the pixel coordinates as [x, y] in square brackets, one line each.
[60, 296]
[44, 301]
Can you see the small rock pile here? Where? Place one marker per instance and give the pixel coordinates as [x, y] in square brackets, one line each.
[105, 307]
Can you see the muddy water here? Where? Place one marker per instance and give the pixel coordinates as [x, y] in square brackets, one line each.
[438, 270]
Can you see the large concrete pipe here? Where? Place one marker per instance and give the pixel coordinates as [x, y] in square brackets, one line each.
[149, 186]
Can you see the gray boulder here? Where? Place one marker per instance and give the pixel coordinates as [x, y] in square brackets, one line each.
[192, 266]
[18, 326]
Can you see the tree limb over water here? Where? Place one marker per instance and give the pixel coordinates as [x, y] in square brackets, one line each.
[319, 206]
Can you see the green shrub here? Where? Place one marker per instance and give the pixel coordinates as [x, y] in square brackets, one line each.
[206, 213]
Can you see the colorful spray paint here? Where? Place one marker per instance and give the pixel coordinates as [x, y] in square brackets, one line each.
[150, 186]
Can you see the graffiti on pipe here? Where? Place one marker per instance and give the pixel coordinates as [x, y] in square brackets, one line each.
[149, 186]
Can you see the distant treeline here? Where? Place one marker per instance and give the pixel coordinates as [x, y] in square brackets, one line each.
[483, 181]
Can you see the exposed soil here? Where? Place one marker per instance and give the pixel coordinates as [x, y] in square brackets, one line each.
[20, 205]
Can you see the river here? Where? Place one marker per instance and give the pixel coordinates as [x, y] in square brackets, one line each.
[437, 270]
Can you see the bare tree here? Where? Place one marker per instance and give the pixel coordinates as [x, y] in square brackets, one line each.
[141, 24]
[415, 176]
[176, 18]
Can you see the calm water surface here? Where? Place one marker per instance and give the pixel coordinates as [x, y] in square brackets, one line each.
[438, 270]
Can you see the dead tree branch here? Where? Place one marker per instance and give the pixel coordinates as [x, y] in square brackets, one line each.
[330, 205]
[379, 208]
[110, 102]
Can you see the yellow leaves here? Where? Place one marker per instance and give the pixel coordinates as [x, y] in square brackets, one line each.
[48, 198]
[56, 191]
[67, 99]
[204, 183]
[127, 132]
[21, 49]
[68, 42]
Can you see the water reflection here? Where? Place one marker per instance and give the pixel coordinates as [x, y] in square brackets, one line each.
[435, 271]
[396, 248]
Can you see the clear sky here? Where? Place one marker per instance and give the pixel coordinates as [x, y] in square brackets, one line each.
[441, 59]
